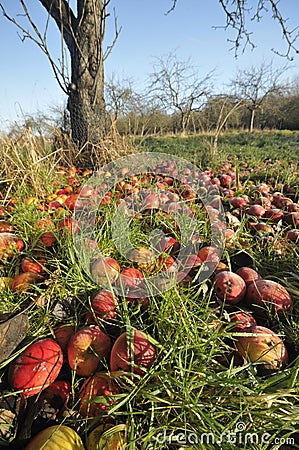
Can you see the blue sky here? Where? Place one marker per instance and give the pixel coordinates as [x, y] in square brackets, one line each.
[27, 84]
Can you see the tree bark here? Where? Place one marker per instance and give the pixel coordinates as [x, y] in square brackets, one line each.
[83, 36]
[251, 126]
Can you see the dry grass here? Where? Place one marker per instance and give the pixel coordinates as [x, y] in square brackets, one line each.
[25, 161]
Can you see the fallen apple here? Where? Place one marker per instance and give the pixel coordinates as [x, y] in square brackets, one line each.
[99, 385]
[264, 346]
[107, 436]
[56, 437]
[248, 274]
[103, 304]
[229, 287]
[24, 281]
[36, 367]
[266, 297]
[86, 349]
[105, 271]
[132, 352]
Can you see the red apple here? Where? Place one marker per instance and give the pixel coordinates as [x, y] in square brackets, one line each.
[105, 271]
[209, 254]
[248, 274]
[33, 265]
[86, 349]
[129, 280]
[10, 244]
[274, 214]
[292, 235]
[36, 367]
[256, 210]
[229, 287]
[238, 202]
[57, 394]
[70, 225]
[292, 219]
[25, 280]
[103, 304]
[263, 295]
[99, 385]
[63, 334]
[132, 353]
[242, 320]
[6, 227]
[264, 346]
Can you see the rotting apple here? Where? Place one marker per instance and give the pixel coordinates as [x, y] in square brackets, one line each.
[86, 348]
[103, 304]
[248, 274]
[105, 271]
[63, 334]
[229, 287]
[266, 297]
[25, 280]
[262, 345]
[36, 367]
[132, 352]
[57, 394]
[99, 385]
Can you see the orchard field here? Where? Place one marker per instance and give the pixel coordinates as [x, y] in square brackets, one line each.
[202, 365]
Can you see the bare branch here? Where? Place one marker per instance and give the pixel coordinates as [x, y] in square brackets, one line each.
[39, 41]
[117, 32]
[239, 12]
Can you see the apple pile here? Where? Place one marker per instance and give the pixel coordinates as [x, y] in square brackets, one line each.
[80, 366]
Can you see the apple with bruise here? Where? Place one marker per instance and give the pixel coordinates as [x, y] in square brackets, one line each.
[103, 304]
[242, 320]
[132, 352]
[105, 271]
[266, 297]
[36, 367]
[99, 385]
[10, 244]
[248, 274]
[25, 281]
[262, 345]
[87, 348]
[229, 287]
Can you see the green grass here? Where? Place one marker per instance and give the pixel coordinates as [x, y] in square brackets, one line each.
[194, 387]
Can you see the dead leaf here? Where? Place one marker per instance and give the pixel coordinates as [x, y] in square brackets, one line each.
[12, 332]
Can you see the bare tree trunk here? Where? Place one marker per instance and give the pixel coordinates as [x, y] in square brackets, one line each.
[251, 127]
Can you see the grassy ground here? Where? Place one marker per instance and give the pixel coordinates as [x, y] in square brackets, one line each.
[194, 388]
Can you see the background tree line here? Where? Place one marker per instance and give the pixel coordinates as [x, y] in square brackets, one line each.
[179, 100]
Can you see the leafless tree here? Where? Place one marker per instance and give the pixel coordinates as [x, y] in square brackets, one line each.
[119, 95]
[256, 84]
[82, 40]
[177, 87]
[81, 26]
[239, 14]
